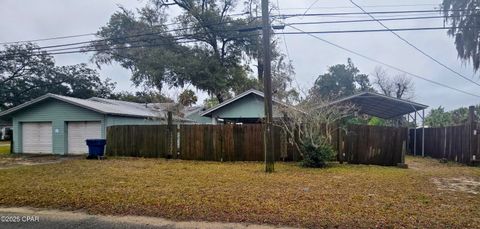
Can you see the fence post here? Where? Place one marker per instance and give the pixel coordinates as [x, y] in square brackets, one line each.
[339, 145]
[445, 143]
[402, 160]
[170, 133]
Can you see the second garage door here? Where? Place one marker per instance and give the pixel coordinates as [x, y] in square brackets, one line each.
[78, 132]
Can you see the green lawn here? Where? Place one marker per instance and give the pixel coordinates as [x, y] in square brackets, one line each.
[429, 194]
[4, 147]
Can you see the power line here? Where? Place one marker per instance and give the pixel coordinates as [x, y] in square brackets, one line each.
[361, 13]
[69, 36]
[363, 16]
[186, 36]
[279, 15]
[105, 49]
[141, 35]
[370, 30]
[89, 42]
[288, 52]
[415, 47]
[365, 20]
[385, 64]
[121, 37]
[306, 11]
[89, 48]
[48, 39]
[90, 34]
[106, 45]
[178, 39]
[368, 6]
[237, 30]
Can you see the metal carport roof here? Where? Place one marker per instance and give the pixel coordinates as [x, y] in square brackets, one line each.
[381, 106]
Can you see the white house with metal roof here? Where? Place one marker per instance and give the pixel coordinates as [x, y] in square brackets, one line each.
[60, 124]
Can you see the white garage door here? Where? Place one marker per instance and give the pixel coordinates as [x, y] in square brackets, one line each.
[37, 137]
[78, 132]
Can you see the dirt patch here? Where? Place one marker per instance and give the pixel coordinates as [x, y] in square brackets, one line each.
[28, 160]
[458, 184]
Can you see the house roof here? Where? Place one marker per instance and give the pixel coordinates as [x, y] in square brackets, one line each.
[381, 106]
[187, 111]
[239, 96]
[103, 106]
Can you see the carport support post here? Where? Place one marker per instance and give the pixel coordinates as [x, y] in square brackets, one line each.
[415, 134]
[423, 133]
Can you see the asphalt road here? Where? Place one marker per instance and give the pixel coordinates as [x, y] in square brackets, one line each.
[31, 218]
[60, 222]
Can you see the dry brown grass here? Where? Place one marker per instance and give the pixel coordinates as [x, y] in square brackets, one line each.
[342, 195]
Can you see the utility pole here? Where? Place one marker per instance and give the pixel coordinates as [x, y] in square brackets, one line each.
[267, 90]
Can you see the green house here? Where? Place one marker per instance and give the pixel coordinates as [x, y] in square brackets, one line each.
[247, 107]
[60, 124]
[194, 114]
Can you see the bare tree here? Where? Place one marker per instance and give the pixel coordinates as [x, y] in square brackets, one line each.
[399, 86]
[404, 87]
[313, 122]
[382, 81]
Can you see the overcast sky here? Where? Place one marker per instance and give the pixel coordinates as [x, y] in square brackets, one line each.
[33, 19]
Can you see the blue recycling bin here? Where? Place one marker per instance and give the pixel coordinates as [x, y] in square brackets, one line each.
[96, 147]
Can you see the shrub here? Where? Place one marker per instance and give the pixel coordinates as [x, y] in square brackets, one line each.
[317, 156]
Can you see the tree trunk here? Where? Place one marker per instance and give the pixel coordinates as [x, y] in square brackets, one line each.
[260, 70]
[219, 97]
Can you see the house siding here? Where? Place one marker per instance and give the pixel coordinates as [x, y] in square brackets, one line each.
[58, 113]
[197, 118]
[113, 120]
[250, 106]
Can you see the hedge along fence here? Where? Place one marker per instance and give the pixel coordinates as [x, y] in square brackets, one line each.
[359, 144]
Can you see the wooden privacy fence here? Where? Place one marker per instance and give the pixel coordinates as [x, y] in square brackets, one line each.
[195, 142]
[141, 141]
[227, 142]
[358, 144]
[373, 145]
[455, 143]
